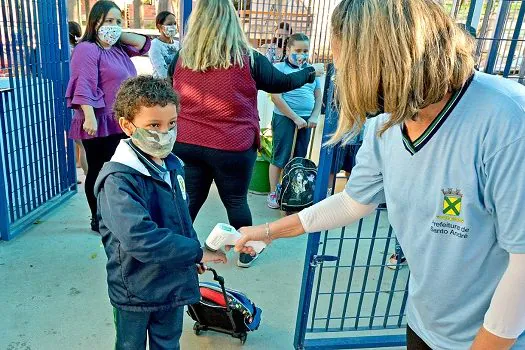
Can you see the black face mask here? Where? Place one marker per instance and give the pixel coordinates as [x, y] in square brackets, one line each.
[278, 41]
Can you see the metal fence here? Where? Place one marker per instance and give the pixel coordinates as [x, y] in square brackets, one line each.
[260, 19]
[498, 25]
[37, 167]
[500, 45]
[350, 298]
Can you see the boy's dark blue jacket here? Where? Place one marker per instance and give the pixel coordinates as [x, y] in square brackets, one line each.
[147, 232]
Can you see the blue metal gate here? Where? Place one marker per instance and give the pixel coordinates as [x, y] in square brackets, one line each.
[349, 298]
[37, 167]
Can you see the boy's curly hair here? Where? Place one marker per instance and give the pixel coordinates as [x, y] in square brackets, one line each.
[143, 91]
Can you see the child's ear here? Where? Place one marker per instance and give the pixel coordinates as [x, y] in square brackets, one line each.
[126, 126]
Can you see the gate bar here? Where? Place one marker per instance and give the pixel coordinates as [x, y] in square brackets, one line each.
[498, 32]
[325, 162]
[514, 42]
[385, 341]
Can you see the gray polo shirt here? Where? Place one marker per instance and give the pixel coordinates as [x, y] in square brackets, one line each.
[456, 200]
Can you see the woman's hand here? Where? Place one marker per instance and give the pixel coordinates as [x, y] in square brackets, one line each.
[214, 257]
[90, 125]
[251, 233]
[319, 69]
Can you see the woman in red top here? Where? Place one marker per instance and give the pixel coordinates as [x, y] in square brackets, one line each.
[217, 75]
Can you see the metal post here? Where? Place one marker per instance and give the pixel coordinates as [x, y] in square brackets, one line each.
[498, 32]
[313, 239]
[185, 12]
[515, 39]
[474, 14]
[4, 210]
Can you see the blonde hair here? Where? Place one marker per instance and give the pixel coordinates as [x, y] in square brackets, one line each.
[215, 38]
[409, 52]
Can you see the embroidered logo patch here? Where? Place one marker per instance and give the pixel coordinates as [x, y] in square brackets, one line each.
[452, 202]
[182, 186]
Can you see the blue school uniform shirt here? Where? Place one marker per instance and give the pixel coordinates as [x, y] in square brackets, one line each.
[301, 100]
[455, 199]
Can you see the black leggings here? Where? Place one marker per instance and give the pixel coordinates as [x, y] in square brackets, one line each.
[414, 342]
[231, 171]
[98, 151]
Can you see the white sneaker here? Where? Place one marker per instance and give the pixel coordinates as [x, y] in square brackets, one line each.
[393, 264]
[271, 201]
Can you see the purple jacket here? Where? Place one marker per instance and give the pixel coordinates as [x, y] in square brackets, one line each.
[96, 76]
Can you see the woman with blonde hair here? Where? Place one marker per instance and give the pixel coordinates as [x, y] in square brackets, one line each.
[447, 158]
[217, 75]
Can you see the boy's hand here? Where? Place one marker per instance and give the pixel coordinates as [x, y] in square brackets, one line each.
[201, 268]
[300, 122]
[214, 257]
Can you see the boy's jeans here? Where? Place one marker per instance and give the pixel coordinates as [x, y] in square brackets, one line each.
[164, 329]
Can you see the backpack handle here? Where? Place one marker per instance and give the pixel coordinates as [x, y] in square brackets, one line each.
[219, 279]
[310, 144]
[294, 142]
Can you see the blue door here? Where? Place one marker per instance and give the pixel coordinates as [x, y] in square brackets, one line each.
[37, 167]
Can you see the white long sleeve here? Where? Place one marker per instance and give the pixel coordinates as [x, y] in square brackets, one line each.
[336, 211]
[505, 317]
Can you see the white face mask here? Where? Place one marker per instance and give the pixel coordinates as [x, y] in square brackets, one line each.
[109, 34]
[170, 31]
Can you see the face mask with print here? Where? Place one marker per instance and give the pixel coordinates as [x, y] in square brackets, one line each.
[170, 31]
[299, 59]
[155, 143]
[109, 34]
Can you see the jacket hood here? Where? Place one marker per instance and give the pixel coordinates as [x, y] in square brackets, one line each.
[125, 160]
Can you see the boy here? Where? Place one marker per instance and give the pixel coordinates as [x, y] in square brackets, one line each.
[145, 224]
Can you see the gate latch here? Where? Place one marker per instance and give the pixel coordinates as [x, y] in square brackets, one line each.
[319, 259]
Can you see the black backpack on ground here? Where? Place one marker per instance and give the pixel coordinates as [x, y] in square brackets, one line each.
[298, 185]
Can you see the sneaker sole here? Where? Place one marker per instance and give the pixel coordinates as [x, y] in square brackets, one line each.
[272, 206]
[394, 267]
[246, 265]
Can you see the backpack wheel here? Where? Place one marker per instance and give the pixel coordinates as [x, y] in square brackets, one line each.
[243, 338]
[197, 328]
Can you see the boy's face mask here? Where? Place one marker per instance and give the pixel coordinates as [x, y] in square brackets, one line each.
[109, 34]
[298, 59]
[170, 31]
[155, 143]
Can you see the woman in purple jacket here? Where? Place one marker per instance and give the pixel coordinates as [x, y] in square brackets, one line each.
[99, 65]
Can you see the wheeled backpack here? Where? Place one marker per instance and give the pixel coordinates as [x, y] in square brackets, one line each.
[224, 310]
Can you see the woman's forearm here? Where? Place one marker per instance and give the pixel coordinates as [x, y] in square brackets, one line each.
[289, 226]
[337, 211]
[136, 40]
[89, 111]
